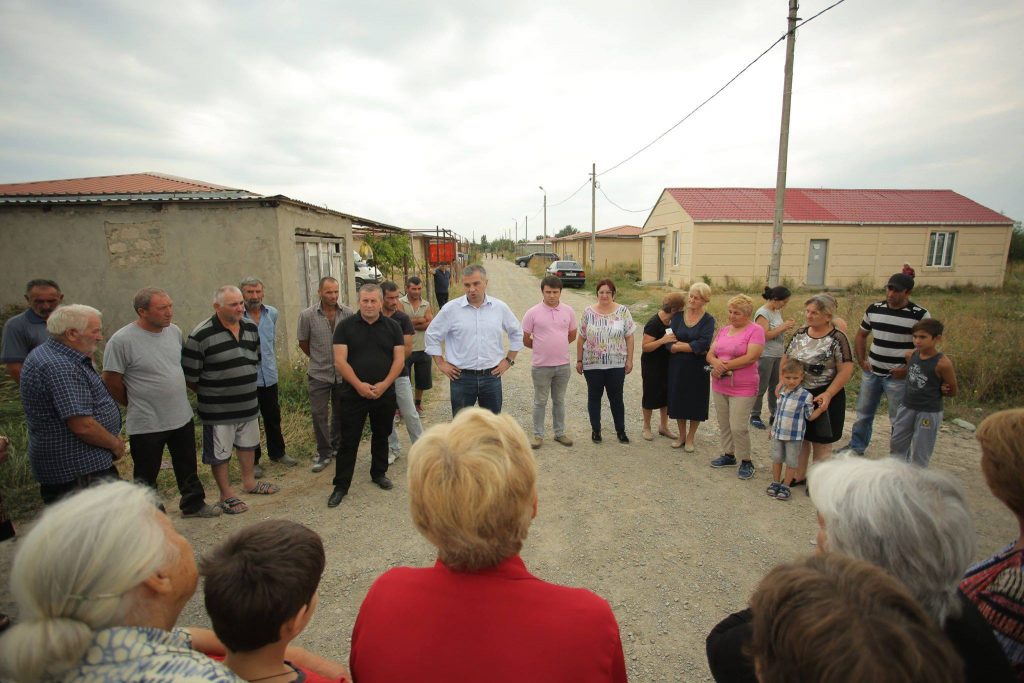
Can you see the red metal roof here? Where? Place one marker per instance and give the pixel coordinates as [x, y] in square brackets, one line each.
[132, 183]
[757, 205]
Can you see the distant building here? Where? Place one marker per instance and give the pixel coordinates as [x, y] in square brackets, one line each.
[614, 246]
[104, 238]
[831, 238]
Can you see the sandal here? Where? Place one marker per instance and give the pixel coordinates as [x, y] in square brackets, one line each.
[668, 435]
[264, 488]
[678, 444]
[233, 506]
[648, 436]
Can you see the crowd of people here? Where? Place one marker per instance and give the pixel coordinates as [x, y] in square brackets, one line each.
[888, 596]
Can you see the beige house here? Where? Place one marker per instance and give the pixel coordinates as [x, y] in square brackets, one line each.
[104, 238]
[831, 238]
[613, 246]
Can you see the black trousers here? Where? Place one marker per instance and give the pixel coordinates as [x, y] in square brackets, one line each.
[270, 410]
[147, 453]
[442, 298]
[354, 410]
[51, 493]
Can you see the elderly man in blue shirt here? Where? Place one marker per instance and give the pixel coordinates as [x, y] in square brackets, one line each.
[472, 329]
[265, 319]
[74, 425]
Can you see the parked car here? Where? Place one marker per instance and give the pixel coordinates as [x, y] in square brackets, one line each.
[524, 261]
[569, 272]
[365, 271]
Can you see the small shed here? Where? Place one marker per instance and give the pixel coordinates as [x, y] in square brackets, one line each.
[619, 246]
[103, 238]
[831, 238]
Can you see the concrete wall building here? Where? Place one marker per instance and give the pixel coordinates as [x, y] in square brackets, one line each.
[831, 238]
[619, 246]
[104, 238]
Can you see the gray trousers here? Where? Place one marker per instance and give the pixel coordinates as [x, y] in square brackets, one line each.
[734, 423]
[550, 380]
[913, 435]
[410, 416]
[323, 404]
[768, 370]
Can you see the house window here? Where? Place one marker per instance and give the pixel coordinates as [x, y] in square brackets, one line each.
[675, 248]
[940, 249]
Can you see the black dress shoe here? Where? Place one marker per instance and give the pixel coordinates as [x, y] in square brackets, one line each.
[383, 482]
[622, 437]
[595, 437]
[335, 499]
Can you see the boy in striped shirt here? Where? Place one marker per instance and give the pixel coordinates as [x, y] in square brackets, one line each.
[795, 409]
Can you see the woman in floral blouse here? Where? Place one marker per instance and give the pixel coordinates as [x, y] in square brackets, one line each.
[604, 356]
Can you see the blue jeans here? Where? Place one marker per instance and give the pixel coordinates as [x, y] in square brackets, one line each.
[482, 390]
[611, 381]
[872, 387]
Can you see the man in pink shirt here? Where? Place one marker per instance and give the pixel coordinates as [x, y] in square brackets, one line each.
[548, 329]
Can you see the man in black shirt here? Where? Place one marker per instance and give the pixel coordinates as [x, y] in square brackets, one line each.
[369, 353]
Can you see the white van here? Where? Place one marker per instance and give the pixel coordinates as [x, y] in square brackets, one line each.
[364, 271]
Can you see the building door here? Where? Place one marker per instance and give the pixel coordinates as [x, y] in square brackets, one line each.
[817, 257]
[317, 257]
[661, 259]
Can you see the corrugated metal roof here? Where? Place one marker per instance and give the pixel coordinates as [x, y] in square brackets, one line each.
[619, 231]
[131, 183]
[907, 207]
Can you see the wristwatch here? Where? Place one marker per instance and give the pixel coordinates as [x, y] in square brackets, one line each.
[510, 361]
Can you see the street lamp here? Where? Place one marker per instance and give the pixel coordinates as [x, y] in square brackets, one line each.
[545, 216]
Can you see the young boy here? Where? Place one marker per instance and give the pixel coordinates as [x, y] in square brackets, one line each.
[930, 376]
[795, 409]
[260, 592]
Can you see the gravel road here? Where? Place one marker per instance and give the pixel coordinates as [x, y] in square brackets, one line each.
[672, 544]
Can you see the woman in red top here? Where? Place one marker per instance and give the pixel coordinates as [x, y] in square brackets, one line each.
[478, 614]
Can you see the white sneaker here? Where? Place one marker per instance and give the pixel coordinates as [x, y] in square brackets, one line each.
[393, 456]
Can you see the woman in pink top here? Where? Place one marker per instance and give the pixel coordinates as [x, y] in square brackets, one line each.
[732, 360]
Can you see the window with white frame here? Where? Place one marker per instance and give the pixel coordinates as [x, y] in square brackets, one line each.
[940, 249]
[675, 248]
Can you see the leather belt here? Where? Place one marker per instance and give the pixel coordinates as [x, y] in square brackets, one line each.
[476, 372]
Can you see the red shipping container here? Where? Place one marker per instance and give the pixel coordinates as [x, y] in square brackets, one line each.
[442, 252]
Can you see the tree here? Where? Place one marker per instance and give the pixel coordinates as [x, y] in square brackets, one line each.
[390, 251]
[484, 244]
[566, 231]
[538, 238]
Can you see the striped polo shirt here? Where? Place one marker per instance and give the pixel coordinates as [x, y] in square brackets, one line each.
[224, 368]
[890, 333]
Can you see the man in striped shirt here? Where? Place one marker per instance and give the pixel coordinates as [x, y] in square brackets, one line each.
[885, 371]
[219, 360]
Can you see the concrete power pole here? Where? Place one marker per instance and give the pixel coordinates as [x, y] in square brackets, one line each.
[780, 180]
[593, 218]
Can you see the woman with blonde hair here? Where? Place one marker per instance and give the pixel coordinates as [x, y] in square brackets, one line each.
[658, 335]
[478, 613]
[734, 380]
[689, 389]
[825, 353]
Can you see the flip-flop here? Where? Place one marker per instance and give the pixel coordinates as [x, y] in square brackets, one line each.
[233, 506]
[264, 488]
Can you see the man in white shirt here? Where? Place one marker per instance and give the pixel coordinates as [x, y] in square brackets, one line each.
[472, 328]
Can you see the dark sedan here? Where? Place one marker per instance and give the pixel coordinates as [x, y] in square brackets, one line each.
[569, 272]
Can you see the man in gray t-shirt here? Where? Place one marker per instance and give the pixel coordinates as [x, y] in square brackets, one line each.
[27, 330]
[142, 369]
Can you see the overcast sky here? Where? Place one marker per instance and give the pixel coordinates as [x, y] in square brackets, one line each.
[453, 113]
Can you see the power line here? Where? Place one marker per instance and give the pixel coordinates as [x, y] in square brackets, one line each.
[717, 92]
[575, 192]
[620, 207]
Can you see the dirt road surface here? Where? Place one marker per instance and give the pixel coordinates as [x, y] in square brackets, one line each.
[672, 544]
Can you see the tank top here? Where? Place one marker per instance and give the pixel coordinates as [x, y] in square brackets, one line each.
[924, 386]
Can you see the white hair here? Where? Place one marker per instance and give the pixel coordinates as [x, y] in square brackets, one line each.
[75, 574]
[911, 522]
[218, 296]
[71, 317]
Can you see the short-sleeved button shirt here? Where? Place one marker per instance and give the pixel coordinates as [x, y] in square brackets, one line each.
[371, 346]
[418, 342]
[315, 328]
[266, 371]
[58, 383]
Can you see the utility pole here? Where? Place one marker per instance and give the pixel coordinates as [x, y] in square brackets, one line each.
[593, 218]
[780, 179]
[527, 230]
[545, 216]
